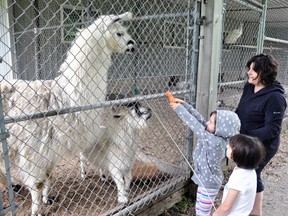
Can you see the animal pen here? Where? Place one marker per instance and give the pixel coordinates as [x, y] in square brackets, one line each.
[196, 49]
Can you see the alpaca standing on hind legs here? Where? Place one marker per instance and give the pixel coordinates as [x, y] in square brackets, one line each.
[35, 146]
[116, 148]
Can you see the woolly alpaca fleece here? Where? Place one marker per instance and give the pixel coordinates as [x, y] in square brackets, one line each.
[116, 147]
[35, 146]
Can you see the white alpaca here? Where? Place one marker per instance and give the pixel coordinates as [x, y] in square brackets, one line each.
[115, 151]
[35, 146]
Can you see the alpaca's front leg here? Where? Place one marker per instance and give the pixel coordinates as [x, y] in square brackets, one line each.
[83, 164]
[120, 184]
[36, 194]
[46, 191]
[128, 179]
[103, 175]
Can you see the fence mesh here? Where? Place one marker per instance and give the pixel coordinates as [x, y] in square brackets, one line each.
[242, 21]
[63, 75]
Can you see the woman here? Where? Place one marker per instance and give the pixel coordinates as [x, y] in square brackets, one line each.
[261, 110]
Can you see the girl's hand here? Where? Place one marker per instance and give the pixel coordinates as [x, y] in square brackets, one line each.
[174, 105]
[177, 100]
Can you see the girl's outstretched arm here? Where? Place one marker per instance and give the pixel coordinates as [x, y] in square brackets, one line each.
[175, 102]
[228, 203]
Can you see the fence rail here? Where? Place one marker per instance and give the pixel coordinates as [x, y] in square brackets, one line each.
[72, 73]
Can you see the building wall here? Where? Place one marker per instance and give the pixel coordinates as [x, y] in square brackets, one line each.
[5, 43]
[41, 48]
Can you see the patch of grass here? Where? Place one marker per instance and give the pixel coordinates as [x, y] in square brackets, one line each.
[184, 204]
[184, 208]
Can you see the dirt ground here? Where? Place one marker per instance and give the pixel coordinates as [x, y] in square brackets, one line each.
[72, 195]
[275, 180]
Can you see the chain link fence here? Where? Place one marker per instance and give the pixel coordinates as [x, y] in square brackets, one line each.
[243, 22]
[58, 88]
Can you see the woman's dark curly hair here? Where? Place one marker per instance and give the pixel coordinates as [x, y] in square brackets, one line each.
[265, 66]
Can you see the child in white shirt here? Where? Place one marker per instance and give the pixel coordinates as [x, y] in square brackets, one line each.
[240, 191]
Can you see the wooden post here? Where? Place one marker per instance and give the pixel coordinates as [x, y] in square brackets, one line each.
[209, 56]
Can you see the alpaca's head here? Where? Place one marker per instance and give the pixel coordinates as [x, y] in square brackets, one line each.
[133, 114]
[114, 33]
[95, 44]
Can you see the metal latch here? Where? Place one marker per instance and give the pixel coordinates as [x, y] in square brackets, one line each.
[200, 20]
[4, 135]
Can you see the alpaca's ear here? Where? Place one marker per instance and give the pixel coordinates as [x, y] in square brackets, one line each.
[125, 17]
[117, 116]
[120, 110]
[117, 110]
[116, 18]
[114, 108]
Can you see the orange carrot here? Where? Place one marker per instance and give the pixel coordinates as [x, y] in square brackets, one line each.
[170, 97]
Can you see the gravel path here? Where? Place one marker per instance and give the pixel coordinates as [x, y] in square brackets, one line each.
[276, 182]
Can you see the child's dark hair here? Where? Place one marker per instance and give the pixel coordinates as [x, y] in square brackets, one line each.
[214, 112]
[247, 151]
[265, 66]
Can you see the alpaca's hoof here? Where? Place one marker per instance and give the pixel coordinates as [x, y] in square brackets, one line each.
[83, 175]
[123, 200]
[17, 187]
[104, 178]
[49, 200]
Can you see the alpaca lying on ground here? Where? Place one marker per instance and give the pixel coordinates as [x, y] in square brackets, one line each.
[115, 151]
[35, 146]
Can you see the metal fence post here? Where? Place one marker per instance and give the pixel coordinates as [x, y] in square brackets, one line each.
[261, 32]
[198, 20]
[209, 57]
[3, 137]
